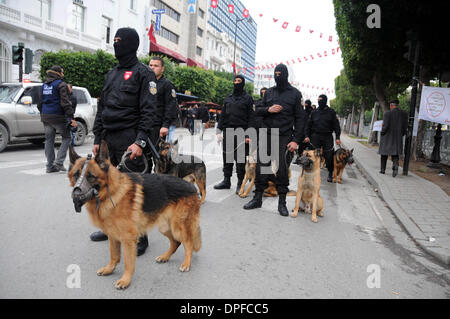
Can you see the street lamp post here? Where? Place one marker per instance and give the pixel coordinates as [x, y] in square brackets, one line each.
[235, 38]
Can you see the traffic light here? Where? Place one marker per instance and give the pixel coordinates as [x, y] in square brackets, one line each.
[28, 61]
[18, 53]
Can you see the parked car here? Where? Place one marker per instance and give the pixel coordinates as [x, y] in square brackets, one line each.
[20, 119]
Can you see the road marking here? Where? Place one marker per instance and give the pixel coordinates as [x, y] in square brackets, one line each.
[21, 163]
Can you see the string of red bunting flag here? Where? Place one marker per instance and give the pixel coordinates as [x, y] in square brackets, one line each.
[301, 59]
[285, 25]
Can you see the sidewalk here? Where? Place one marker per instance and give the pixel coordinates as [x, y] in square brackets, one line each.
[421, 206]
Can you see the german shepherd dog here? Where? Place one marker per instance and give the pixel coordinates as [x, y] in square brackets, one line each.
[125, 206]
[250, 176]
[308, 188]
[341, 158]
[189, 168]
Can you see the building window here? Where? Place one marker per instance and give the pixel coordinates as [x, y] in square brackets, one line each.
[167, 34]
[199, 51]
[200, 32]
[158, 4]
[106, 29]
[201, 13]
[133, 5]
[5, 63]
[78, 17]
[44, 9]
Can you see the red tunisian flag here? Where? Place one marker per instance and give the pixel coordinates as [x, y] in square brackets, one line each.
[151, 35]
[231, 8]
[214, 3]
[246, 13]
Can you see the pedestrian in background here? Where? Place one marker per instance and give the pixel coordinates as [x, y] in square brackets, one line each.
[127, 109]
[191, 118]
[203, 115]
[55, 108]
[319, 132]
[395, 125]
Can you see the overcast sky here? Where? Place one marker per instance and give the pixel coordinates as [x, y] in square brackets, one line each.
[277, 44]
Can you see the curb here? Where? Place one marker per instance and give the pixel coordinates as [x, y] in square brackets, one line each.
[410, 226]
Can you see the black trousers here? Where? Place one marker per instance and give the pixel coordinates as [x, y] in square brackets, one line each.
[327, 143]
[239, 146]
[384, 158]
[118, 143]
[264, 169]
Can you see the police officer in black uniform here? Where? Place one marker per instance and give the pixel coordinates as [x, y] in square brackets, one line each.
[308, 108]
[237, 112]
[126, 110]
[167, 110]
[281, 109]
[319, 132]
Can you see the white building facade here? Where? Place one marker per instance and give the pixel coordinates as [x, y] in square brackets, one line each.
[219, 51]
[79, 25]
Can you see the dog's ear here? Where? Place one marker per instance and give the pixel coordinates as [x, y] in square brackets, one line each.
[73, 155]
[103, 156]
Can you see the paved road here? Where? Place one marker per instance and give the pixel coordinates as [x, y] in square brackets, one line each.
[256, 254]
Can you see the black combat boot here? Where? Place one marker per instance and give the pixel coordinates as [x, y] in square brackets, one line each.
[282, 209]
[239, 185]
[225, 184]
[99, 236]
[383, 164]
[256, 202]
[142, 245]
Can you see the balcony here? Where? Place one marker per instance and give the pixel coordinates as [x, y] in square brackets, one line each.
[48, 29]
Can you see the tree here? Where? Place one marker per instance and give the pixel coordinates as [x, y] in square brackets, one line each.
[200, 82]
[374, 57]
[81, 68]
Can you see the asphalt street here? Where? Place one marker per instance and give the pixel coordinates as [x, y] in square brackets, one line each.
[357, 250]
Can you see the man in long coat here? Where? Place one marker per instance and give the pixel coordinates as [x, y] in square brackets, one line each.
[395, 125]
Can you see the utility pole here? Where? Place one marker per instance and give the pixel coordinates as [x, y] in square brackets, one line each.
[414, 47]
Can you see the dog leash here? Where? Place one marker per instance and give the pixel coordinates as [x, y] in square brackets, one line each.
[123, 165]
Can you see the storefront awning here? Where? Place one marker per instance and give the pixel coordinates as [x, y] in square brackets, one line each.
[191, 62]
[156, 48]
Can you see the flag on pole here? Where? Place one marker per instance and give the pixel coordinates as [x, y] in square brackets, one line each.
[151, 35]
[246, 13]
[214, 3]
[231, 8]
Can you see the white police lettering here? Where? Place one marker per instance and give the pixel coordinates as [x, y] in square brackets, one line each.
[48, 90]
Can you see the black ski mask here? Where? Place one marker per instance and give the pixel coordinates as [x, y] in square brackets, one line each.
[125, 49]
[283, 79]
[239, 88]
[262, 92]
[323, 101]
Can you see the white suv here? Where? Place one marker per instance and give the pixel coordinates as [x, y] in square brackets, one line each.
[20, 119]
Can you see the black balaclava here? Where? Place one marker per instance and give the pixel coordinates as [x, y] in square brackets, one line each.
[261, 92]
[239, 88]
[282, 80]
[125, 49]
[323, 102]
